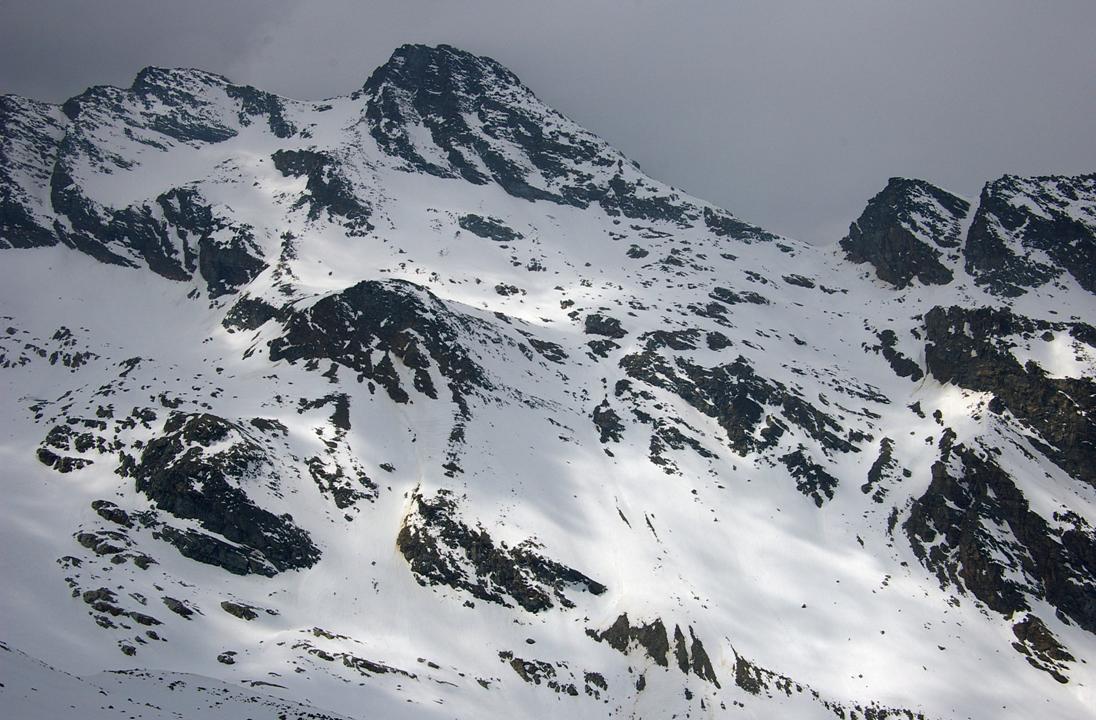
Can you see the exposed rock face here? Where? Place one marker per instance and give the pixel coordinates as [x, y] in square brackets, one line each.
[442, 549]
[902, 365]
[194, 471]
[650, 637]
[811, 479]
[723, 224]
[975, 530]
[1031, 231]
[1040, 646]
[757, 414]
[248, 313]
[883, 466]
[598, 324]
[178, 104]
[327, 188]
[30, 135]
[488, 227]
[904, 232]
[971, 348]
[255, 103]
[473, 108]
[485, 126]
[738, 399]
[733, 297]
[760, 681]
[227, 255]
[652, 640]
[365, 326]
[49, 154]
[607, 422]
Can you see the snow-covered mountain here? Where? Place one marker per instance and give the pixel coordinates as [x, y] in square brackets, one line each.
[426, 402]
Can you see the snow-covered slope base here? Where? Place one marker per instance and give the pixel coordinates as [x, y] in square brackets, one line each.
[425, 402]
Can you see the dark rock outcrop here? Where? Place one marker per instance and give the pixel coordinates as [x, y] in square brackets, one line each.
[442, 88]
[486, 126]
[185, 480]
[30, 137]
[489, 228]
[902, 365]
[811, 479]
[364, 326]
[1030, 231]
[722, 224]
[1042, 649]
[598, 324]
[259, 103]
[974, 529]
[326, 190]
[739, 400]
[652, 639]
[734, 297]
[970, 348]
[607, 422]
[442, 549]
[903, 230]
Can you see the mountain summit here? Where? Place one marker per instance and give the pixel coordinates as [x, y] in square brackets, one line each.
[424, 401]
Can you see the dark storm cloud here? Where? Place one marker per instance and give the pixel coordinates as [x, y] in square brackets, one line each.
[791, 114]
[53, 49]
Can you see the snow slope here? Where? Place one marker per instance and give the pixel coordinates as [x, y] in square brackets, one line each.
[425, 402]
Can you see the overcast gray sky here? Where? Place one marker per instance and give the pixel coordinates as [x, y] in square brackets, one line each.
[790, 114]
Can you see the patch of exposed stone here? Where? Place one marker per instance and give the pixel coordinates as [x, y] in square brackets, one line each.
[666, 436]
[196, 469]
[1041, 648]
[900, 363]
[259, 103]
[975, 530]
[608, 326]
[19, 348]
[337, 471]
[969, 348]
[177, 235]
[548, 350]
[327, 190]
[607, 422]
[472, 109]
[739, 400]
[489, 228]
[757, 680]
[366, 325]
[882, 469]
[360, 665]
[811, 479]
[904, 231]
[442, 549]
[1031, 231]
[723, 224]
[652, 640]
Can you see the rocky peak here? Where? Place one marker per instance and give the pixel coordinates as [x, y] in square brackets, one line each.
[29, 133]
[904, 232]
[453, 114]
[153, 80]
[1031, 231]
[449, 113]
[443, 70]
[157, 90]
